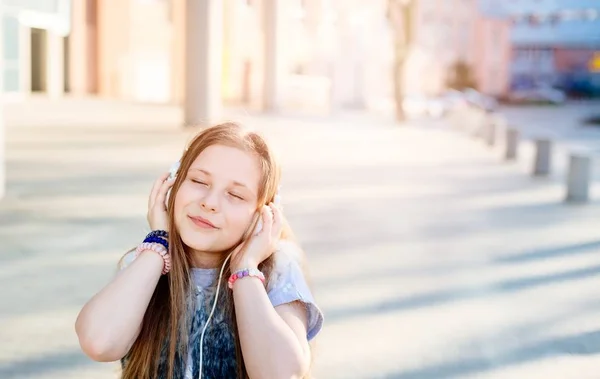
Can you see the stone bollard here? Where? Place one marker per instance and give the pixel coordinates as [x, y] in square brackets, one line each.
[490, 131]
[543, 155]
[512, 144]
[578, 178]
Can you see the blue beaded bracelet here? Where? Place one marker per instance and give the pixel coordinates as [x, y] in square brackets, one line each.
[159, 240]
[158, 233]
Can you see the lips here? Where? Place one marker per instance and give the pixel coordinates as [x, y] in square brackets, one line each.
[202, 222]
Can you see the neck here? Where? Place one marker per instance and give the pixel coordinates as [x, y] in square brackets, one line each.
[203, 259]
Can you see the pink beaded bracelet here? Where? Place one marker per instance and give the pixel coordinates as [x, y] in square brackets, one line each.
[246, 272]
[158, 248]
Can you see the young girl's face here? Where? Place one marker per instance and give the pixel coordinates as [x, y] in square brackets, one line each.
[215, 203]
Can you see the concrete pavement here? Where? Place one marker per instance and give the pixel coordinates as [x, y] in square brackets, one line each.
[430, 258]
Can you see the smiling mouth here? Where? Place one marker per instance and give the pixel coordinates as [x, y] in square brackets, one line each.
[202, 222]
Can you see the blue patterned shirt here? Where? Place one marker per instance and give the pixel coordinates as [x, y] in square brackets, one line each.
[287, 284]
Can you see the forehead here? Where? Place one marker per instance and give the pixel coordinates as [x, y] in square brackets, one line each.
[230, 164]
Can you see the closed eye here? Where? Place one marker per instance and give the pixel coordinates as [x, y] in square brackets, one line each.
[199, 182]
[236, 196]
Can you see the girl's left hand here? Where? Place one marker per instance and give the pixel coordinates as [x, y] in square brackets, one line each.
[261, 245]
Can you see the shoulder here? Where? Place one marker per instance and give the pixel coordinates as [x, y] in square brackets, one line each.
[288, 284]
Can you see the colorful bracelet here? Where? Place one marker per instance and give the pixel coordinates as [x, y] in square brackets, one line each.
[160, 240]
[254, 272]
[160, 249]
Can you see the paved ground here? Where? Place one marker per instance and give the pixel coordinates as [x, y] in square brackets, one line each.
[430, 257]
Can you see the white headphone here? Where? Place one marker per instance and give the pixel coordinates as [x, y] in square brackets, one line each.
[212, 311]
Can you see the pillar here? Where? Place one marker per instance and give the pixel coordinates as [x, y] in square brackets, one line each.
[55, 78]
[579, 178]
[273, 58]
[82, 47]
[543, 157]
[2, 133]
[512, 144]
[24, 58]
[203, 59]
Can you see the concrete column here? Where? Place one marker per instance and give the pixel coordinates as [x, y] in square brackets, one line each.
[273, 57]
[578, 179]
[490, 130]
[512, 144]
[474, 122]
[543, 157]
[178, 52]
[55, 78]
[25, 59]
[81, 47]
[2, 139]
[203, 59]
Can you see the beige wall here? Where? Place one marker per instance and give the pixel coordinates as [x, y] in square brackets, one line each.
[493, 56]
[150, 61]
[135, 58]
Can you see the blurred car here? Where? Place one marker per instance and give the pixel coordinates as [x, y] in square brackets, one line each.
[417, 105]
[480, 100]
[452, 100]
[543, 94]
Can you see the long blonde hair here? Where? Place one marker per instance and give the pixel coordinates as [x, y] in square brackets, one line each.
[165, 319]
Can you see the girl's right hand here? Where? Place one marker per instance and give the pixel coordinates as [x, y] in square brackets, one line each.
[157, 211]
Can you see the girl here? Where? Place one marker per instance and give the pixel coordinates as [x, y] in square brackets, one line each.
[216, 289]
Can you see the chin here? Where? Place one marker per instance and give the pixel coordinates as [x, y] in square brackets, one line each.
[197, 241]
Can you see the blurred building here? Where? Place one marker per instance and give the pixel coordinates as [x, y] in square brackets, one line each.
[34, 46]
[555, 42]
[322, 50]
[32, 54]
[455, 31]
[324, 54]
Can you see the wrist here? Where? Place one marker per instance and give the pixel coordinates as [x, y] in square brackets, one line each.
[243, 264]
[158, 250]
[245, 273]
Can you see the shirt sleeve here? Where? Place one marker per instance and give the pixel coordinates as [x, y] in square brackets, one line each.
[288, 284]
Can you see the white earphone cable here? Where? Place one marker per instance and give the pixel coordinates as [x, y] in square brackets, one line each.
[212, 311]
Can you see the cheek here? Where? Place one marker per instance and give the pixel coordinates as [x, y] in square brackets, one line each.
[181, 196]
[186, 194]
[238, 219]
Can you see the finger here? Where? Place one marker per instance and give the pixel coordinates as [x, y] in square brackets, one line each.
[161, 196]
[267, 216]
[277, 221]
[237, 250]
[155, 188]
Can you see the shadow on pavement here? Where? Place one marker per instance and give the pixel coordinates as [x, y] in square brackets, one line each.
[466, 293]
[540, 254]
[44, 364]
[579, 344]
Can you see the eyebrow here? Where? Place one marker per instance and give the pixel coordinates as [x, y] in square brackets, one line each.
[235, 183]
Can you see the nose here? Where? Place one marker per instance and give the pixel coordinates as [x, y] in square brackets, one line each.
[210, 202]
